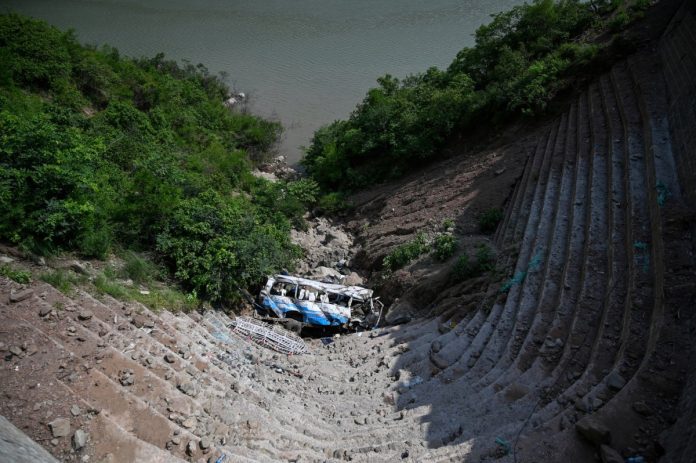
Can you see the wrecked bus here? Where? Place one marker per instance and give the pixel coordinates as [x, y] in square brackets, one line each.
[300, 302]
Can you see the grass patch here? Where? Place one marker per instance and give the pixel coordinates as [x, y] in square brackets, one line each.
[61, 279]
[156, 298]
[20, 276]
[111, 287]
[138, 269]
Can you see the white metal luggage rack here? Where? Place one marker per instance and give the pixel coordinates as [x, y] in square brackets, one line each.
[273, 337]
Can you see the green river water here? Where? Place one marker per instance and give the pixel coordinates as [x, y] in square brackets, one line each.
[304, 62]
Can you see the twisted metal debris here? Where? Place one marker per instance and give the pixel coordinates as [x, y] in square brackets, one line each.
[273, 337]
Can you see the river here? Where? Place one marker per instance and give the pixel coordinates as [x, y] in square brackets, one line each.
[304, 62]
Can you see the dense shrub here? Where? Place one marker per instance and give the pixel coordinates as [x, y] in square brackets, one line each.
[405, 253]
[219, 245]
[332, 203]
[520, 61]
[98, 150]
[444, 246]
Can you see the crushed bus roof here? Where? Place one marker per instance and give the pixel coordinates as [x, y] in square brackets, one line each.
[356, 292]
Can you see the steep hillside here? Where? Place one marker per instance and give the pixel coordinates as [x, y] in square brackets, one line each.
[576, 345]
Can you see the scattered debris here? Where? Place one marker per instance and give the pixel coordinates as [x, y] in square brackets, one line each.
[126, 377]
[273, 337]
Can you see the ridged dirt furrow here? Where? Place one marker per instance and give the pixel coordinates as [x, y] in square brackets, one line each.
[654, 92]
[533, 340]
[81, 370]
[145, 338]
[53, 392]
[501, 326]
[641, 265]
[561, 326]
[200, 371]
[529, 191]
[559, 255]
[505, 231]
[587, 310]
[573, 280]
[603, 349]
[607, 350]
[544, 239]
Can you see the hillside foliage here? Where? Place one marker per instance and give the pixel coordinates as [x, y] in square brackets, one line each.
[99, 151]
[519, 62]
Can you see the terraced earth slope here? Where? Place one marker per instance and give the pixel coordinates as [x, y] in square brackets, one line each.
[587, 355]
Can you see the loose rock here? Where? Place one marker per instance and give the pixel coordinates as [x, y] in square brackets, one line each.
[79, 439]
[615, 381]
[16, 350]
[19, 296]
[609, 455]
[60, 427]
[642, 408]
[205, 443]
[593, 430]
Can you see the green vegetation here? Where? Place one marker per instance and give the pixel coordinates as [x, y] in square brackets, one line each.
[61, 279]
[138, 269]
[156, 297]
[466, 268]
[98, 152]
[20, 276]
[405, 253]
[520, 61]
[444, 246]
[489, 220]
[448, 224]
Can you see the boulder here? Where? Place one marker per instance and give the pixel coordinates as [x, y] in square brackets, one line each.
[609, 455]
[438, 360]
[60, 427]
[19, 296]
[643, 409]
[399, 312]
[615, 381]
[353, 279]
[79, 439]
[326, 273]
[594, 431]
[78, 267]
